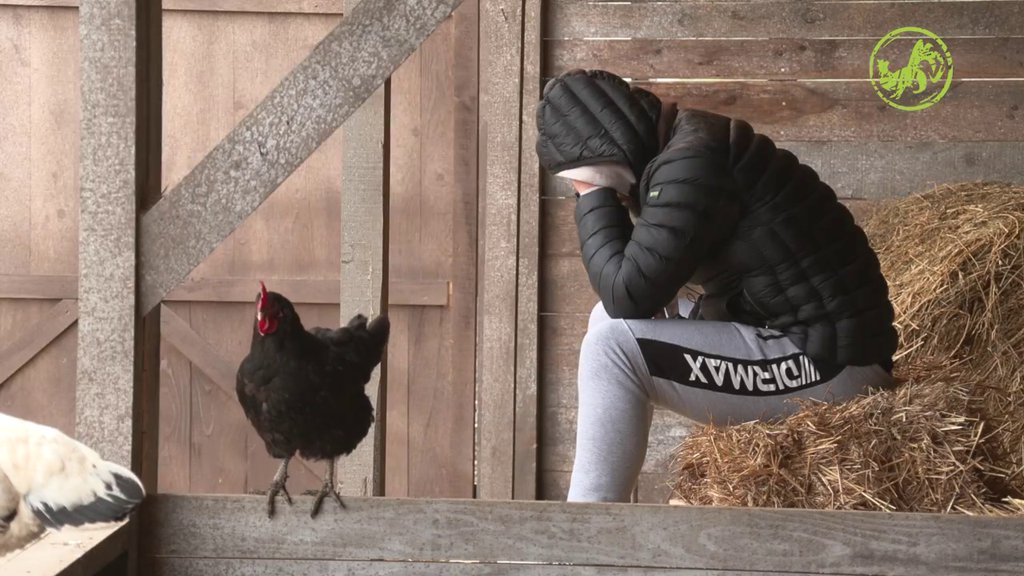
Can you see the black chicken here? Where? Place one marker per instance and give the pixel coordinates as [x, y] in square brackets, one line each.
[303, 391]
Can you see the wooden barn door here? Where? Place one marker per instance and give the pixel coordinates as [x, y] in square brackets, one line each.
[217, 66]
[433, 239]
[39, 118]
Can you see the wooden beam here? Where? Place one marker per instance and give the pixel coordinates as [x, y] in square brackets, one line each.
[70, 552]
[197, 350]
[524, 484]
[38, 287]
[419, 293]
[351, 62]
[280, 6]
[36, 337]
[109, 180]
[500, 117]
[610, 535]
[298, 290]
[260, 567]
[116, 408]
[784, 19]
[364, 207]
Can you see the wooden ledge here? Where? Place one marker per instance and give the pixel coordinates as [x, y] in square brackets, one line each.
[199, 534]
[71, 552]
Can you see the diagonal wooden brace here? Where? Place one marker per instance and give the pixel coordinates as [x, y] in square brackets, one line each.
[313, 101]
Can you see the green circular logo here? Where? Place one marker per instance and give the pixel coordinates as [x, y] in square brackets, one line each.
[911, 68]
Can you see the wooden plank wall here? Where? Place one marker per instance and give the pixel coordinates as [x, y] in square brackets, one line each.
[798, 72]
[39, 120]
[217, 67]
[220, 60]
[433, 238]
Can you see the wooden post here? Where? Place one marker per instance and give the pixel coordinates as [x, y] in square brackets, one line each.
[118, 355]
[524, 486]
[500, 118]
[114, 173]
[364, 208]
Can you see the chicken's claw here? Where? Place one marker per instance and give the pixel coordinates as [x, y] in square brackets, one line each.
[325, 490]
[278, 486]
[272, 496]
[328, 488]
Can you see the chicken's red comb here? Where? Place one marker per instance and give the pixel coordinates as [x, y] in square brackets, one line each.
[263, 294]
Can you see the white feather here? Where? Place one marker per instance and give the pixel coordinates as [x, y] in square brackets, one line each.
[57, 480]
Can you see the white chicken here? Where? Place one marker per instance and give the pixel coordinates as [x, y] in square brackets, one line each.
[48, 480]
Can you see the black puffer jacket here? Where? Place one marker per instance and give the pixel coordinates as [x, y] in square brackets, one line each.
[769, 243]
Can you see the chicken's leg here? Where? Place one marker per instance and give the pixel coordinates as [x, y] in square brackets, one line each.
[278, 485]
[329, 488]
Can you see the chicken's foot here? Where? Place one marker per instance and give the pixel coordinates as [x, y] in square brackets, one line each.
[278, 486]
[329, 488]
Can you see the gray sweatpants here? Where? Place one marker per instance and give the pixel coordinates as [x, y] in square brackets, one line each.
[710, 372]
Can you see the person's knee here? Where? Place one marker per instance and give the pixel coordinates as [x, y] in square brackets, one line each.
[604, 341]
[598, 316]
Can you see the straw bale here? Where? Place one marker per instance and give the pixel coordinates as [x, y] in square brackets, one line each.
[951, 437]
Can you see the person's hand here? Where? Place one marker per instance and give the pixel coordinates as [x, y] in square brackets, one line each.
[588, 178]
[583, 187]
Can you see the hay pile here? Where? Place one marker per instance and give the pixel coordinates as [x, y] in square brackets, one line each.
[951, 438]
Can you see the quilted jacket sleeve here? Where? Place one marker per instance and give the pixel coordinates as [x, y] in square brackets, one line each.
[690, 203]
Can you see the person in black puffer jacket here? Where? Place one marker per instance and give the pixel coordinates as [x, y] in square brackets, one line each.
[731, 278]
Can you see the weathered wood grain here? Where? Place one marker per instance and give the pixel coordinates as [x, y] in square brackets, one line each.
[226, 289]
[272, 141]
[794, 19]
[227, 567]
[419, 293]
[286, 6]
[16, 140]
[54, 76]
[19, 350]
[175, 448]
[791, 58]
[560, 339]
[363, 272]
[565, 287]
[220, 434]
[974, 111]
[43, 389]
[283, 6]
[32, 286]
[500, 125]
[590, 534]
[655, 488]
[404, 182]
[70, 552]
[110, 133]
[299, 291]
[524, 473]
[178, 333]
[432, 237]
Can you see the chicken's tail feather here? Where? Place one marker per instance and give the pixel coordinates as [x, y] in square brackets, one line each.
[380, 329]
[121, 493]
